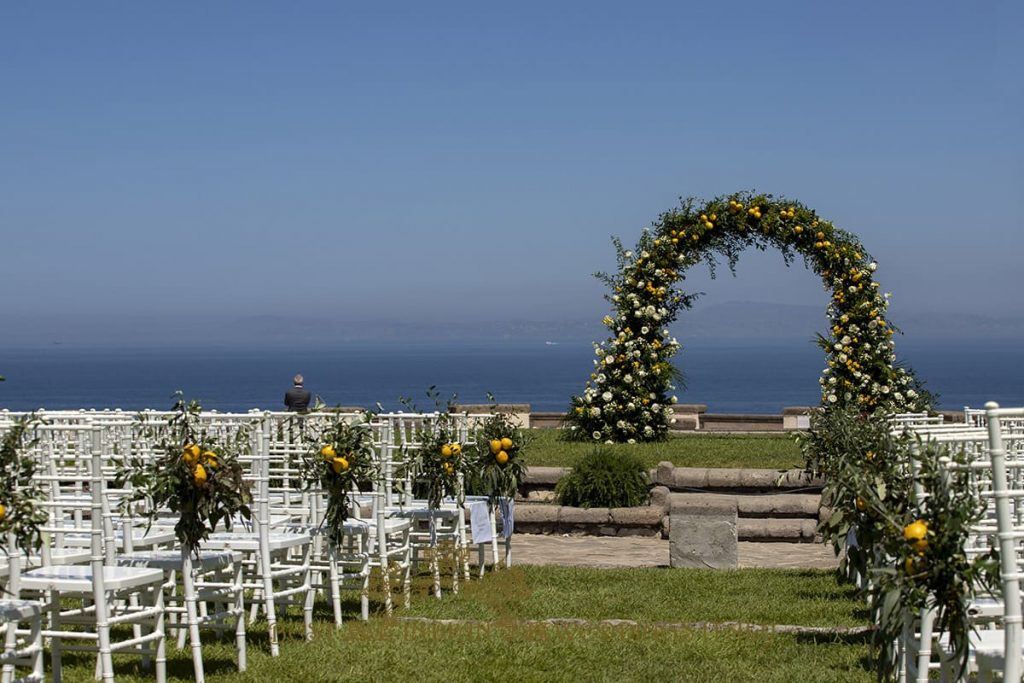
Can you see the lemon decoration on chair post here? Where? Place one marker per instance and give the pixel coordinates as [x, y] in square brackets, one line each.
[20, 513]
[340, 460]
[193, 475]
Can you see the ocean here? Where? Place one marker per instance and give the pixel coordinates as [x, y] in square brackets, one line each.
[730, 376]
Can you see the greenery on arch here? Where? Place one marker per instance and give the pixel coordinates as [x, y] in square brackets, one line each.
[629, 394]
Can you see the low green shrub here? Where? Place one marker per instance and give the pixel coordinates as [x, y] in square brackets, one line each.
[604, 478]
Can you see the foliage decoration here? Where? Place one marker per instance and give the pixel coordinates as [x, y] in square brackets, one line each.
[440, 461]
[193, 475]
[864, 466]
[603, 478]
[20, 514]
[928, 565]
[628, 397]
[341, 457]
[499, 448]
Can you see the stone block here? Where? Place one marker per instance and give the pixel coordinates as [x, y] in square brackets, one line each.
[758, 479]
[664, 474]
[793, 530]
[690, 478]
[780, 505]
[568, 516]
[536, 514]
[544, 476]
[659, 497]
[703, 531]
[647, 516]
[723, 478]
[796, 418]
[797, 479]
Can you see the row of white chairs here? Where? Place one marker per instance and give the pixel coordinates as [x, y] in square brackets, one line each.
[992, 457]
[135, 576]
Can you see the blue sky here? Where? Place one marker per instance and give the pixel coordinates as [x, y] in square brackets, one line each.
[441, 161]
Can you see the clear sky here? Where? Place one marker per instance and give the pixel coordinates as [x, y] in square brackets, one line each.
[442, 161]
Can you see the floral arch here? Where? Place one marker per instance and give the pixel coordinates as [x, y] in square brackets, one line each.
[628, 396]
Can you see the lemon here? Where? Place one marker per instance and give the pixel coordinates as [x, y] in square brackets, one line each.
[211, 459]
[456, 448]
[328, 452]
[495, 446]
[798, 229]
[199, 476]
[446, 451]
[506, 443]
[3, 512]
[501, 457]
[916, 533]
[339, 465]
[449, 468]
[190, 454]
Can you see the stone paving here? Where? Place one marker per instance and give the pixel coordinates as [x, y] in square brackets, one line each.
[633, 551]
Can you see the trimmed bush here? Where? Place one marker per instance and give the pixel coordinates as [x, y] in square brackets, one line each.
[603, 478]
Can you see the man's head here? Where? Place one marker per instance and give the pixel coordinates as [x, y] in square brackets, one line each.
[297, 380]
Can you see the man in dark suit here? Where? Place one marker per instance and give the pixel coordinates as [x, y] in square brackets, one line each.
[297, 398]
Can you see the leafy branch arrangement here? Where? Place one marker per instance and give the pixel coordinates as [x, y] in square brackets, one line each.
[20, 514]
[928, 564]
[193, 476]
[912, 549]
[439, 461]
[498, 466]
[340, 458]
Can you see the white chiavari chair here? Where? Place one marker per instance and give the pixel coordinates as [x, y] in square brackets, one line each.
[101, 590]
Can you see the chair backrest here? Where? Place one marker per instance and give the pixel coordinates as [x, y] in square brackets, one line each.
[1009, 535]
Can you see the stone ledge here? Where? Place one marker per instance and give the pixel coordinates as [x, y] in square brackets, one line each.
[798, 530]
[780, 505]
[544, 476]
[679, 478]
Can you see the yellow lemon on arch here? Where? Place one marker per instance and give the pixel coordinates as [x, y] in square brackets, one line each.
[328, 452]
[449, 468]
[3, 512]
[339, 465]
[211, 459]
[495, 446]
[506, 443]
[456, 448]
[199, 476]
[501, 457]
[446, 450]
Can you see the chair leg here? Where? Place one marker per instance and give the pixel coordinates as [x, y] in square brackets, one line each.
[103, 632]
[435, 569]
[192, 616]
[161, 628]
[332, 558]
[10, 643]
[240, 642]
[310, 593]
[55, 643]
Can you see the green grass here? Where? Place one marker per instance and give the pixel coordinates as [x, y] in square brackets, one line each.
[504, 650]
[767, 451]
[756, 596]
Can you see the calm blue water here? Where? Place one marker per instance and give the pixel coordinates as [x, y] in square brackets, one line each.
[728, 377]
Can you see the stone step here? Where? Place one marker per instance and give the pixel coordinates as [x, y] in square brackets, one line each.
[780, 505]
[778, 530]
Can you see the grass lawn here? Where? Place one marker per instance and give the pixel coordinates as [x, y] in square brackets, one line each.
[504, 650]
[768, 451]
